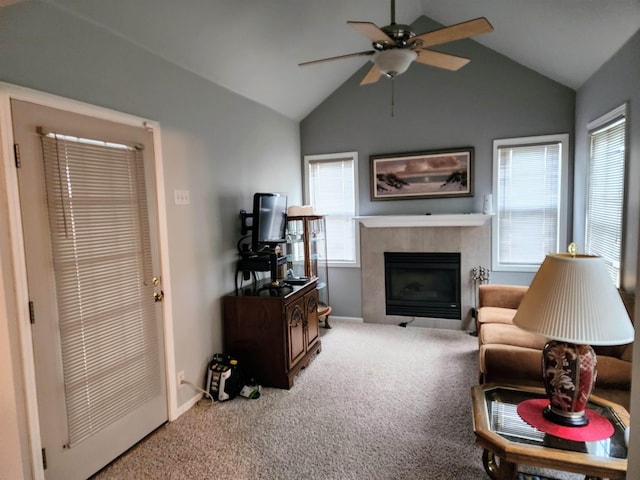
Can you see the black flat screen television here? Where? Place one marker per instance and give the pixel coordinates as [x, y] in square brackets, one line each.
[269, 221]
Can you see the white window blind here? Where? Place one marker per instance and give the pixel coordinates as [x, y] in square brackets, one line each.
[101, 248]
[527, 176]
[605, 195]
[331, 189]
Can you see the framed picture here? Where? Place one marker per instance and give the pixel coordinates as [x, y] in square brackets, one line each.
[434, 174]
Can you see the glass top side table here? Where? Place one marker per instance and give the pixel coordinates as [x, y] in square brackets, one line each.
[502, 433]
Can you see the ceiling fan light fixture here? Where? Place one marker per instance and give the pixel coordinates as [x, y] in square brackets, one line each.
[394, 61]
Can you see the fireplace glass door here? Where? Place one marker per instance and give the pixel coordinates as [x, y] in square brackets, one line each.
[423, 284]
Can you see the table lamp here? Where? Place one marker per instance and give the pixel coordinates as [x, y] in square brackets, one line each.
[572, 302]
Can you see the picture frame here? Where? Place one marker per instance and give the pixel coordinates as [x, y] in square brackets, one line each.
[429, 174]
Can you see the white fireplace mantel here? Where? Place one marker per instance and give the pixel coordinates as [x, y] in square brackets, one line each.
[436, 220]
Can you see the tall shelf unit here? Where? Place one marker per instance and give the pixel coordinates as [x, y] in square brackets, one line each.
[307, 256]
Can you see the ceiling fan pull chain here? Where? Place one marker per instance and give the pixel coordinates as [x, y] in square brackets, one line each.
[393, 102]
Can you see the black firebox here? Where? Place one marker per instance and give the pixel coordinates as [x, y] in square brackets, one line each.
[422, 284]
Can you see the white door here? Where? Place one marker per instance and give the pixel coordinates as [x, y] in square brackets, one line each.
[88, 212]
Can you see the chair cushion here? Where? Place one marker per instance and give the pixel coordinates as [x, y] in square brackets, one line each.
[620, 396]
[613, 372]
[615, 351]
[627, 355]
[509, 335]
[510, 365]
[488, 315]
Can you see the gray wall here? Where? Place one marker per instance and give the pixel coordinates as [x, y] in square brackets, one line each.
[616, 82]
[491, 97]
[218, 145]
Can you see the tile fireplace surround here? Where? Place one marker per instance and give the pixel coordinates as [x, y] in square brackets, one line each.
[469, 234]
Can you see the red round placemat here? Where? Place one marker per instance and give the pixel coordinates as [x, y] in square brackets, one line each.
[598, 427]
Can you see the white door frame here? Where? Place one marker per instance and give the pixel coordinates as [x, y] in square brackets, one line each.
[16, 297]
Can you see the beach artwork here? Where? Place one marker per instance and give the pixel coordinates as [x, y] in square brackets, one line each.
[422, 175]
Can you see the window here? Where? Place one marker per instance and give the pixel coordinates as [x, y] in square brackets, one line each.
[605, 190]
[529, 177]
[331, 187]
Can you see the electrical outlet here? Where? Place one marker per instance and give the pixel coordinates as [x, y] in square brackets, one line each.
[180, 378]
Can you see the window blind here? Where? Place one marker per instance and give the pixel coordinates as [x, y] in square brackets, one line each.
[528, 202]
[332, 193]
[102, 262]
[605, 195]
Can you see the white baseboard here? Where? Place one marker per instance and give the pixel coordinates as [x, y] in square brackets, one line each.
[187, 405]
[345, 319]
[436, 323]
[425, 322]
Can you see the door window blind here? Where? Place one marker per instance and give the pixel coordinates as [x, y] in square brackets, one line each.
[102, 263]
[605, 195]
[528, 203]
[331, 185]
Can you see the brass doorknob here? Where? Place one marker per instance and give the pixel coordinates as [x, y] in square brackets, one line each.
[158, 297]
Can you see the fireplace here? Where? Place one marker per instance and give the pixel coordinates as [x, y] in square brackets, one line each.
[422, 284]
[389, 234]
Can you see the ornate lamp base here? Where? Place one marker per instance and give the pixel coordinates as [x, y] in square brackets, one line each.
[577, 419]
[569, 373]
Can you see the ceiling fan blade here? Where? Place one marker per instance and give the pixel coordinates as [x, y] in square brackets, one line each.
[372, 76]
[454, 32]
[348, 55]
[440, 60]
[372, 32]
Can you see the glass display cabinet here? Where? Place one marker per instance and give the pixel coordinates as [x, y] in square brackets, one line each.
[307, 256]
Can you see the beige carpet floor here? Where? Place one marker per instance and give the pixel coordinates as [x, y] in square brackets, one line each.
[379, 402]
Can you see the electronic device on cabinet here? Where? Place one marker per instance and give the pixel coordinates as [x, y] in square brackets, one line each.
[263, 232]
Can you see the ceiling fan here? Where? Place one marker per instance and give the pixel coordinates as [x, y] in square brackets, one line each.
[395, 46]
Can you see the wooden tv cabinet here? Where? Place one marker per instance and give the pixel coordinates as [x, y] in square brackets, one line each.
[274, 333]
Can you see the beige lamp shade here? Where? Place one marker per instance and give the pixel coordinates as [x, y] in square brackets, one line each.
[572, 299]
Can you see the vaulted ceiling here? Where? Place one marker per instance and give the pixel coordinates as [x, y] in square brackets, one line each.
[253, 47]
